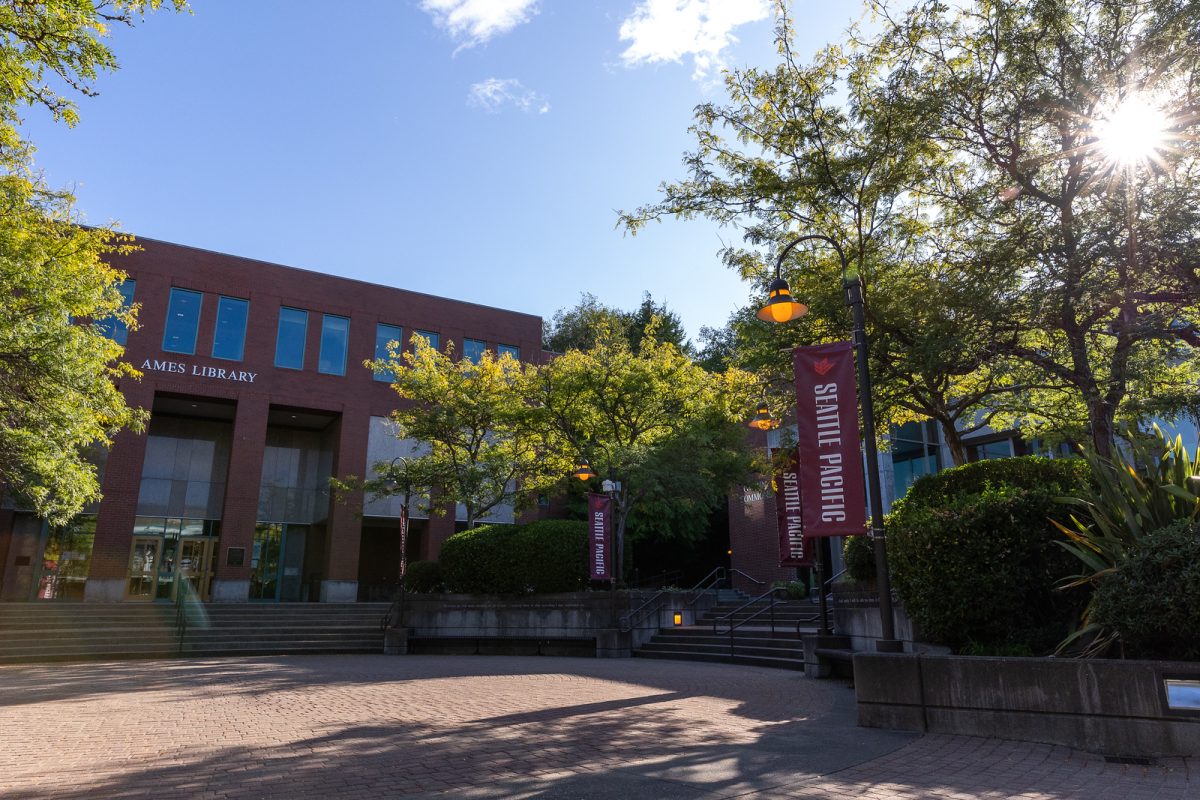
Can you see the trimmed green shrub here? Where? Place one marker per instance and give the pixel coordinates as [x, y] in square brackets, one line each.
[423, 576]
[555, 555]
[1152, 600]
[858, 553]
[541, 557]
[1052, 475]
[976, 560]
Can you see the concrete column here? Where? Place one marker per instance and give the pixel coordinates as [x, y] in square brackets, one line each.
[114, 522]
[344, 533]
[231, 582]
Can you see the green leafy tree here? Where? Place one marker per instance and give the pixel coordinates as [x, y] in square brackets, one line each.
[824, 147]
[57, 396]
[664, 428]
[1097, 247]
[578, 327]
[485, 444]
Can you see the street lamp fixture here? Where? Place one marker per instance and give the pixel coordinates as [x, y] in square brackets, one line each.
[583, 470]
[763, 420]
[781, 307]
[853, 286]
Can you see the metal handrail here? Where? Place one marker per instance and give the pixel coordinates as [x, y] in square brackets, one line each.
[747, 576]
[768, 593]
[733, 626]
[396, 610]
[627, 620]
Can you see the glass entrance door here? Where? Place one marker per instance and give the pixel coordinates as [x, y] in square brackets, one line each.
[143, 567]
[278, 562]
[195, 565]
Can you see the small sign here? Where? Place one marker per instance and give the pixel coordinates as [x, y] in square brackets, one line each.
[1182, 695]
[235, 556]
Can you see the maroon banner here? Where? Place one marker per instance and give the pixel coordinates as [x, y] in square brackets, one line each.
[831, 467]
[599, 541]
[793, 549]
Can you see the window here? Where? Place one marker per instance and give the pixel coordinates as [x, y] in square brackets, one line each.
[289, 342]
[473, 350]
[229, 339]
[112, 327]
[335, 337]
[989, 450]
[431, 338]
[383, 335]
[183, 318]
[509, 349]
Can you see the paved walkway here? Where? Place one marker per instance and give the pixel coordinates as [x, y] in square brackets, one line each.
[489, 727]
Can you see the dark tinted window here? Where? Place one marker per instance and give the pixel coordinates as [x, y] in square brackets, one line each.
[289, 342]
[335, 338]
[229, 339]
[183, 318]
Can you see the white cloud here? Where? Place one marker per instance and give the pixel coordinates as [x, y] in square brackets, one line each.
[669, 30]
[494, 94]
[472, 22]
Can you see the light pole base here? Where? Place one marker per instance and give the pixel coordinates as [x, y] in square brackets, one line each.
[889, 646]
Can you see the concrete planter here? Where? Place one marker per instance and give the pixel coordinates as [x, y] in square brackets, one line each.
[1109, 707]
[546, 624]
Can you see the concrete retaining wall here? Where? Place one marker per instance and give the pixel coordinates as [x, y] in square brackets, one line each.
[571, 616]
[1109, 707]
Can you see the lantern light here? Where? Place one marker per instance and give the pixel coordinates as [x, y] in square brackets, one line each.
[583, 470]
[763, 419]
[780, 306]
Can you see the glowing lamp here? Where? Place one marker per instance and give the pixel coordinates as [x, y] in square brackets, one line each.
[780, 306]
[763, 419]
[583, 470]
[678, 618]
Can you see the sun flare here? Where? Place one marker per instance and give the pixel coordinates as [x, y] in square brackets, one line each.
[1133, 132]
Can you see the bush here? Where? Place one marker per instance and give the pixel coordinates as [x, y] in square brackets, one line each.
[1052, 475]
[423, 577]
[858, 553]
[1152, 600]
[975, 558]
[541, 557]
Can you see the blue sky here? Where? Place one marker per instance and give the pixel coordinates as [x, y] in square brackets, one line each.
[471, 148]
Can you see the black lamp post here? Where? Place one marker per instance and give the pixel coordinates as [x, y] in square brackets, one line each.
[781, 307]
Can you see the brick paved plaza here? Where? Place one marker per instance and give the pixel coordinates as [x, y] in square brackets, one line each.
[484, 727]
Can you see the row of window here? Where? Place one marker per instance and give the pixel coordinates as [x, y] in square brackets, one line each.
[229, 336]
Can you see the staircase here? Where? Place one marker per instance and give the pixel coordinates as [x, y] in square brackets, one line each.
[754, 643]
[82, 631]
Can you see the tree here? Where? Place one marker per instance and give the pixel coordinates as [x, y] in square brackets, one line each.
[1099, 247]
[577, 327]
[667, 430]
[485, 444]
[824, 147]
[1011, 269]
[57, 396]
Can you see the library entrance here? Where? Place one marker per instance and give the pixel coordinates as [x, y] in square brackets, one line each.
[160, 566]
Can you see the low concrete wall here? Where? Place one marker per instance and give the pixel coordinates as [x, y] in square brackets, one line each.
[577, 615]
[1109, 707]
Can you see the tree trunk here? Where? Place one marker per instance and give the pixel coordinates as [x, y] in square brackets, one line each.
[1102, 425]
[954, 442]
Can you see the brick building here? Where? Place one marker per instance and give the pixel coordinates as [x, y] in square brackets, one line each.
[253, 375]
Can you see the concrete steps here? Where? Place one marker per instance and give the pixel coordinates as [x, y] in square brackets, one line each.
[754, 643]
[32, 632]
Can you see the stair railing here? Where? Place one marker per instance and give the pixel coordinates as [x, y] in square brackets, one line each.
[180, 614]
[658, 600]
[771, 596]
[708, 588]
[395, 610]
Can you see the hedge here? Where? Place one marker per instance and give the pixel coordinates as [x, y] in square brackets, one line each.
[538, 558]
[1153, 599]
[975, 559]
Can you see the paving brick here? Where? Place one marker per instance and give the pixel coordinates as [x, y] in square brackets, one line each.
[486, 727]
